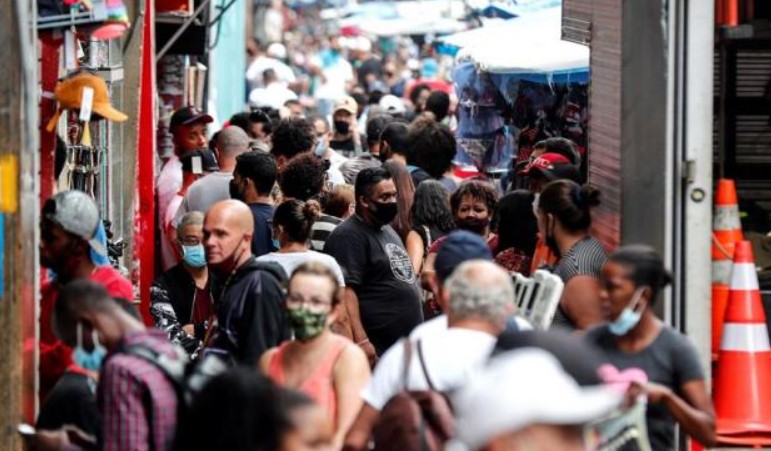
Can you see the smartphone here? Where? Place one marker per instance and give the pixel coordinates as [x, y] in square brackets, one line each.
[25, 430]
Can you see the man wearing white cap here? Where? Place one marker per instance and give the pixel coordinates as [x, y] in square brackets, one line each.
[481, 300]
[345, 131]
[271, 59]
[524, 400]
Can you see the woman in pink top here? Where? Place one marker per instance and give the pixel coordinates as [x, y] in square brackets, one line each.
[327, 367]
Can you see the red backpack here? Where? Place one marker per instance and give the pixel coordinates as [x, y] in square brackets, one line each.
[414, 420]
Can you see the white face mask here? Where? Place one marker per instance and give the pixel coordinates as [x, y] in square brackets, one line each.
[629, 317]
[535, 203]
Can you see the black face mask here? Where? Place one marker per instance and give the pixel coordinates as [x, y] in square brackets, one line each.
[473, 225]
[235, 193]
[384, 212]
[342, 127]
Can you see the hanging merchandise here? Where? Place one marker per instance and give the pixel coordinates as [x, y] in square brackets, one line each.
[71, 91]
[83, 163]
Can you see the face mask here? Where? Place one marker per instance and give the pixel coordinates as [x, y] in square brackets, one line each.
[91, 361]
[235, 193]
[472, 224]
[229, 264]
[628, 318]
[306, 324]
[194, 256]
[535, 203]
[320, 149]
[342, 127]
[384, 212]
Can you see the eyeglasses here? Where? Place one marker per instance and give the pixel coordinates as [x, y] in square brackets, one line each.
[189, 241]
[314, 304]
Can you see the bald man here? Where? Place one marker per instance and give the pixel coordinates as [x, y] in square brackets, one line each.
[214, 187]
[250, 319]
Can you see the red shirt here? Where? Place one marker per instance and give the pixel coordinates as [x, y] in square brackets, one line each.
[55, 356]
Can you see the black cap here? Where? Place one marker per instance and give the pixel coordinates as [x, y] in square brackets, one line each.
[208, 160]
[189, 115]
[457, 247]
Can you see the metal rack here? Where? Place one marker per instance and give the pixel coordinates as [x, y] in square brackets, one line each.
[98, 13]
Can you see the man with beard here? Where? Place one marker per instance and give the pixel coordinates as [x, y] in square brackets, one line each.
[382, 300]
[250, 319]
[253, 180]
[68, 242]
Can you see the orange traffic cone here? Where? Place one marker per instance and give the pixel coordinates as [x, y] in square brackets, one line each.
[727, 231]
[742, 386]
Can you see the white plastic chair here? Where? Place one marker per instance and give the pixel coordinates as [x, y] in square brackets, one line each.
[537, 297]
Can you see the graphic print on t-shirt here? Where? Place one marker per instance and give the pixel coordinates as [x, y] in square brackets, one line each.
[401, 265]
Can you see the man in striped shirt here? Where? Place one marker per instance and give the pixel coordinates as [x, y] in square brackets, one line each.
[137, 401]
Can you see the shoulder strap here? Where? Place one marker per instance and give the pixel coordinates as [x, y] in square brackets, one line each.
[424, 367]
[429, 241]
[406, 363]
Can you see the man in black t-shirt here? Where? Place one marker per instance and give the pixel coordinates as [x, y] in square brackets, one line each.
[382, 300]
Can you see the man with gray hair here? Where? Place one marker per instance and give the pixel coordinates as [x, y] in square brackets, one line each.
[214, 187]
[181, 302]
[481, 298]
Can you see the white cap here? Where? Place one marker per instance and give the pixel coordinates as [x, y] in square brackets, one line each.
[521, 388]
[392, 104]
[277, 50]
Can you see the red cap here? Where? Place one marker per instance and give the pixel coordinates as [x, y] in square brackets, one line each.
[546, 163]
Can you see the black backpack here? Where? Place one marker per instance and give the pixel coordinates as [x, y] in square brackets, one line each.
[187, 377]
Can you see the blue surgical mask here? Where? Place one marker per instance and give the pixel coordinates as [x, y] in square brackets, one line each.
[629, 317]
[320, 149]
[91, 361]
[194, 256]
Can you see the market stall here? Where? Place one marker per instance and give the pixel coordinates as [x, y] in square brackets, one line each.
[510, 97]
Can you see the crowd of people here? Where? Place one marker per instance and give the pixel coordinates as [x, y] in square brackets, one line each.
[326, 277]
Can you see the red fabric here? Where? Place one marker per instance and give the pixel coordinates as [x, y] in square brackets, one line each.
[55, 356]
[543, 256]
[514, 260]
[202, 306]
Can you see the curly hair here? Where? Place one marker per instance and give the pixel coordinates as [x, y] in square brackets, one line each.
[303, 177]
[431, 207]
[478, 190]
[293, 136]
[432, 146]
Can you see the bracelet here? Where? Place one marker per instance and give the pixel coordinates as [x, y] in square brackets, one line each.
[366, 340]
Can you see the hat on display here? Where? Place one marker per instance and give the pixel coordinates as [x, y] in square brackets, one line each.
[552, 166]
[76, 213]
[346, 103]
[69, 94]
[392, 105]
[189, 115]
[116, 24]
[521, 388]
[459, 246]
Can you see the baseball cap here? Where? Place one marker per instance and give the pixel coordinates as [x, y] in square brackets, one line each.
[346, 103]
[69, 94]
[277, 50]
[521, 388]
[392, 105]
[189, 115]
[77, 214]
[208, 160]
[457, 247]
[552, 166]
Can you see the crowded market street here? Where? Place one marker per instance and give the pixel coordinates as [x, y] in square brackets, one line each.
[408, 225]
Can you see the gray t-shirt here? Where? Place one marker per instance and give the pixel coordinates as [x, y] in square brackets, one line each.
[291, 260]
[205, 192]
[671, 360]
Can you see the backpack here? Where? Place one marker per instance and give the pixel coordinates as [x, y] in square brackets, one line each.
[414, 420]
[187, 377]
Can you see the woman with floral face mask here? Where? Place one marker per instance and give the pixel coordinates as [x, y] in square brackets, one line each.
[634, 337]
[327, 367]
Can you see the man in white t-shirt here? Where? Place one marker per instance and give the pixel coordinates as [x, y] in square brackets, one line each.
[336, 74]
[272, 60]
[480, 301]
[273, 95]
